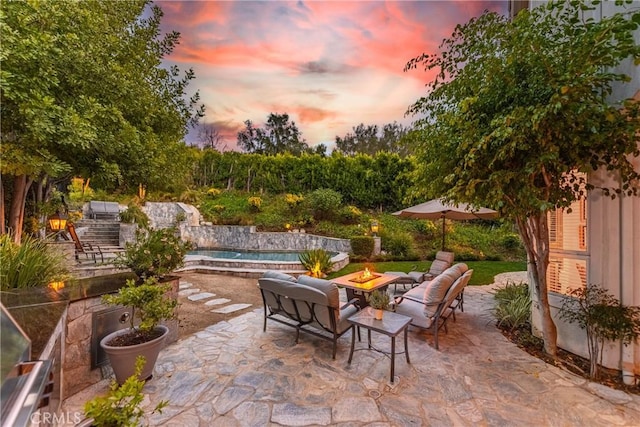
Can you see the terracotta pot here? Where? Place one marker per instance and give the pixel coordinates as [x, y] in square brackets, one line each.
[123, 359]
[378, 312]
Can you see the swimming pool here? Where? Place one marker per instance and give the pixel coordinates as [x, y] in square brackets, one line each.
[250, 263]
[281, 256]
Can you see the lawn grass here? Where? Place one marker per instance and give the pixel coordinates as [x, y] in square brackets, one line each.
[483, 271]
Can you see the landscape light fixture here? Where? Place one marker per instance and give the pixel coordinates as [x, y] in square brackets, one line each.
[58, 222]
[375, 228]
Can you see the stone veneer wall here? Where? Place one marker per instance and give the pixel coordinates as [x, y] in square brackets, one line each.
[243, 237]
[205, 235]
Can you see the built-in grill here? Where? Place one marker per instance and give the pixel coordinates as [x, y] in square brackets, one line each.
[24, 382]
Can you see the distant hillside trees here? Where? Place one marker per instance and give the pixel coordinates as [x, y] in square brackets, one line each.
[279, 135]
[372, 139]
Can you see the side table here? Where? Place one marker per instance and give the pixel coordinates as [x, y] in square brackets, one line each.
[391, 325]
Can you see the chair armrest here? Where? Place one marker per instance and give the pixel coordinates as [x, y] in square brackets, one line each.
[353, 302]
[398, 300]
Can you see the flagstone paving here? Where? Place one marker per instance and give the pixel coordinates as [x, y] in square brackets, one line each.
[234, 374]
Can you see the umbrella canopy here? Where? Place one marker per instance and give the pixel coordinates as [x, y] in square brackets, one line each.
[436, 208]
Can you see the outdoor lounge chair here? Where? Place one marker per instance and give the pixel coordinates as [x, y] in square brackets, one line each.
[432, 302]
[441, 263]
[87, 249]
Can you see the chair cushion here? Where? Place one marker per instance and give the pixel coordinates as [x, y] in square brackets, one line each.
[330, 289]
[416, 276]
[438, 267]
[436, 291]
[271, 274]
[445, 256]
[459, 268]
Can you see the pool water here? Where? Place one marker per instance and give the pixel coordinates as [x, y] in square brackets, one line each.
[249, 255]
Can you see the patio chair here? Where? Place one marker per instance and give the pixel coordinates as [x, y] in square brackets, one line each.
[87, 249]
[441, 263]
[432, 303]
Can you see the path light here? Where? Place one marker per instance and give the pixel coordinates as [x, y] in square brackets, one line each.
[374, 228]
[58, 222]
[56, 286]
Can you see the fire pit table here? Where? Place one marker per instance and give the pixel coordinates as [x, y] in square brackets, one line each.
[361, 283]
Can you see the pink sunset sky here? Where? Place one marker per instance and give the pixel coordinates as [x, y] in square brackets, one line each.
[330, 65]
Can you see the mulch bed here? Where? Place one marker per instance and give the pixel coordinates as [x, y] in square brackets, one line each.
[567, 361]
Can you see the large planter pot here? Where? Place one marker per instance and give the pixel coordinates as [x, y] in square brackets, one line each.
[123, 359]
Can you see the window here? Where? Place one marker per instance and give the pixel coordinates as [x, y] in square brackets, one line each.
[566, 273]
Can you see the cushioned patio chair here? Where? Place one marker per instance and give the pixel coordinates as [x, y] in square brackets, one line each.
[431, 303]
[441, 263]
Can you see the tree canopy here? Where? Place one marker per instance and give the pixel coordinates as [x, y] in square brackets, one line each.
[278, 136]
[84, 92]
[371, 139]
[518, 108]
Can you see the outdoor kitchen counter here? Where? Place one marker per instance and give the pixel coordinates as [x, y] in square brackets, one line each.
[38, 310]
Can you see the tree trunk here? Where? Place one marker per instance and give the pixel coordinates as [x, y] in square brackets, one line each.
[3, 227]
[535, 235]
[21, 185]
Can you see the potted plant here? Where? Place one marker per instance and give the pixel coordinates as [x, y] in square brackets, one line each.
[155, 253]
[121, 405]
[150, 304]
[379, 301]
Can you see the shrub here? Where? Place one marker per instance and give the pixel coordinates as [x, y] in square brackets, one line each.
[134, 215]
[190, 196]
[121, 406]
[213, 192]
[511, 242]
[293, 200]
[323, 202]
[350, 215]
[154, 253]
[603, 318]
[362, 246]
[255, 203]
[29, 264]
[513, 306]
[316, 261]
[399, 244]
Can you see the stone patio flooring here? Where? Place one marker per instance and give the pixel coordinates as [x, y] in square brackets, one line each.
[234, 374]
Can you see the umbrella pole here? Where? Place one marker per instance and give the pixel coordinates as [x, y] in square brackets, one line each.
[443, 230]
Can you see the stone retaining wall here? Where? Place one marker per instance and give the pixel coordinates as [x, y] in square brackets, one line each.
[243, 237]
[205, 235]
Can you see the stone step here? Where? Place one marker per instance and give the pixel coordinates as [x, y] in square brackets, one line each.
[200, 296]
[231, 308]
[217, 301]
[187, 292]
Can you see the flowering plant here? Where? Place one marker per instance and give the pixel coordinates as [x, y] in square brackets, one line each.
[154, 253]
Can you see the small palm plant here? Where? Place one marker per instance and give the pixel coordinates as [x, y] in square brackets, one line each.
[316, 261]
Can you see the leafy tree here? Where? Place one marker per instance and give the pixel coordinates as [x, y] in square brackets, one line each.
[83, 94]
[518, 108]
[278, 136]
[370, 139]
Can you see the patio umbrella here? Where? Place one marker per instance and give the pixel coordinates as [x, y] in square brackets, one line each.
[436, 208]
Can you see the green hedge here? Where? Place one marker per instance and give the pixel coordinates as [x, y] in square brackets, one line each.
[362, 246]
